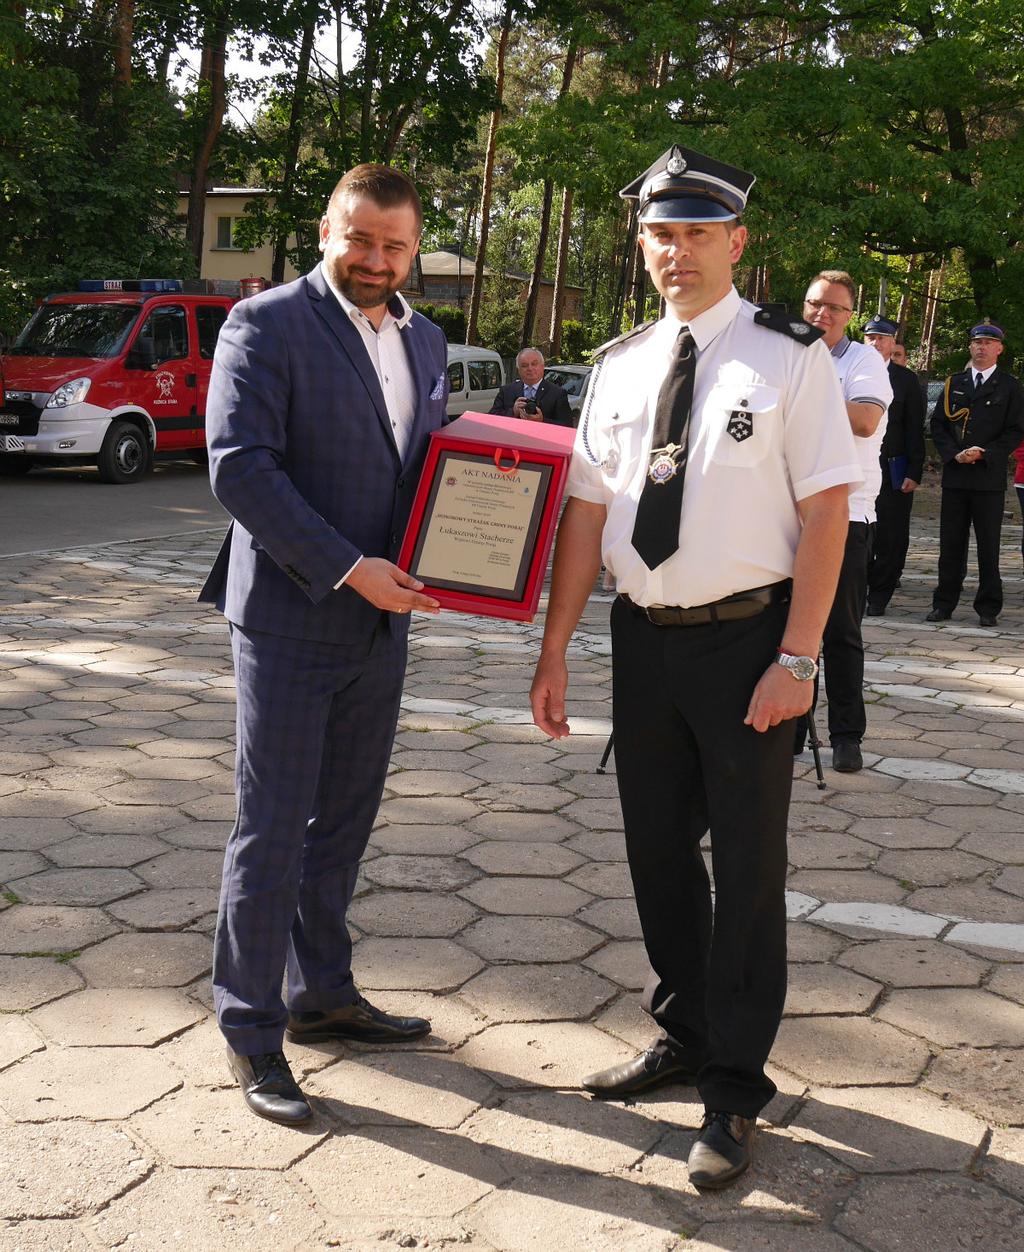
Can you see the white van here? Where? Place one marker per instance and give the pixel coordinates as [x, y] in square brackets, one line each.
[474, 376]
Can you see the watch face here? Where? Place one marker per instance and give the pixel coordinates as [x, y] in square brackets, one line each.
[803, 667]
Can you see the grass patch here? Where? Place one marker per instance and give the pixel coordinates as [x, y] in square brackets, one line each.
[12, 897]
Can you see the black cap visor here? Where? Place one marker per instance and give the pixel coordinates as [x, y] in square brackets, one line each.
[686, 209]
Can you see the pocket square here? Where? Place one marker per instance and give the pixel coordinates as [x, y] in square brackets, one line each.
[438, 391]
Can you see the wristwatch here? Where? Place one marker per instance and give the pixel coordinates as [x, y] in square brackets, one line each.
[802, 668]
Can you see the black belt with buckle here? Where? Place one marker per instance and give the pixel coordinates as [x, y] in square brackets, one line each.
[730, 609]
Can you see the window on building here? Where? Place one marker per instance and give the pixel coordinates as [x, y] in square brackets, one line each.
[209, 320]
[226, 227]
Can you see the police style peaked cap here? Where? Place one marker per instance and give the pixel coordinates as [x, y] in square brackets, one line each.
[987, 330]
[879, 325]
[687, 186]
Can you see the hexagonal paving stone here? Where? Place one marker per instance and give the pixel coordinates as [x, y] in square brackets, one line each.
[907, 832]
[66, 1169]
[523, 827]
[595, 813]
[1003, 1164]
[146, 960]
[428, 811]
[105, 850]
[544, 1128]
[58, 1084]
[985, 1081]
[416, 1173]
[889, 1130]
[537, 859]
[617, 918]
[520, 797]
[19, 865]
[606, 880]
[560, 1208]
[413, 964]
[823, 989]
[183, 868]
[420, 873]
[525, 993]
[190, 1208]
[906, 1213]
[111, 1019]
[423, 840]
[401, 1088]
[76, 886]
[26, 982]
[957, 1016]
[427, 782]
[976, 902]
[818, 850]
[914, 963]
[135, 819]
[33, 802]
[1008, 980]
[540, 897]
[805, 942]
[847, 1051]
[425, 914]
[539, 939]
[552, 1054]
[211, 836]
[846, 885]
[165, 909]
[214, 1129]
[624, 962]
[17, 1039]
[41, 928]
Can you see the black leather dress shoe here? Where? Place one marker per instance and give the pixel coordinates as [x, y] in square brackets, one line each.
[846, 756]
[874, 610]
[653, 1068]
[938, 615]
[269, 1088]
[361, 1021]
[722, 1151]
[986, 619]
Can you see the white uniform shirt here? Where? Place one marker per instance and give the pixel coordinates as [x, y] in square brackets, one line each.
[864, 375]
[739, 526]
[387, 355]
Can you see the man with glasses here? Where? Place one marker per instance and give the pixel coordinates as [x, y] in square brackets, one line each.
[867, 392]
[977, 422]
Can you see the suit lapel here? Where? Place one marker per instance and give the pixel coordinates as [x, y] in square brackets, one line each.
[420, 367]
[327, 307]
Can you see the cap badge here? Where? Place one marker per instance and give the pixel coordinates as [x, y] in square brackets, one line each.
[675, 164]
[799, 328]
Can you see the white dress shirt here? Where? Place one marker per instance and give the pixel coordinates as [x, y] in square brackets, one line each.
[864, 378]
[740, 525]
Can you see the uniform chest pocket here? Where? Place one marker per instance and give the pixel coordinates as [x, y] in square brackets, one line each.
[742, 423]
[617, 442]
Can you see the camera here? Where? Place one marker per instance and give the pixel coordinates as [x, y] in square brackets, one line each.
[530, 406]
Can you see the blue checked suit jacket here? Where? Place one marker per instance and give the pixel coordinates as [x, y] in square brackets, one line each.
[303, 458]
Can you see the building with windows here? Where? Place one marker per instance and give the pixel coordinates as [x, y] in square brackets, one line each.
[223, 259]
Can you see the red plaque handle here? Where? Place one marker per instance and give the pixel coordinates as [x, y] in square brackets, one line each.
[506, 469]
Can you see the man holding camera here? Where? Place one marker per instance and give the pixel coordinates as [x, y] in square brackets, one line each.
[533, 397]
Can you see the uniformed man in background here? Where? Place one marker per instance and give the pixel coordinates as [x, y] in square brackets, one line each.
[977, 422]
[723, 591]
[902, 463]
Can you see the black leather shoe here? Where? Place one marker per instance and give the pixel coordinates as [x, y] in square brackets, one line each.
[938, 615]
[986, 619]
[722, 1151]
[846, 756]
[874, 610]
[269, 1088]
[361, 1021]
[654, 1068]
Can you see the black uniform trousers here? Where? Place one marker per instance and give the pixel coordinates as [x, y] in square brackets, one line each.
[891, 542]
[959, 511]
[686, 763]
[842, 643]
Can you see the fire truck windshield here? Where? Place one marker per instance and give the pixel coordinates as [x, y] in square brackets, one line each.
[76, 330]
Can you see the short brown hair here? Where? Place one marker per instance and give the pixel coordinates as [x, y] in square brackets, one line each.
[839, 277]
[386, 186]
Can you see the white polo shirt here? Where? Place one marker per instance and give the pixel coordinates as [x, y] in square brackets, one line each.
[739, 526]
[863, 376]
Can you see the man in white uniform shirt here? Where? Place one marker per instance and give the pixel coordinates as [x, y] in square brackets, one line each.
[724, 589]
[864, 378]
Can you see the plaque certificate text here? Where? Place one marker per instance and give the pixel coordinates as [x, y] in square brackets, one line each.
[480, 524]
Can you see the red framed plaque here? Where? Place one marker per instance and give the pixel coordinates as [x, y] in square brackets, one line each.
[485, 512]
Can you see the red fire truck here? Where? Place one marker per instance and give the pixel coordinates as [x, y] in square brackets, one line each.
[111, 375]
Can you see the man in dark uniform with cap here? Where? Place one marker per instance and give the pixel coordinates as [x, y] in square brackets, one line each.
[902, 459]
[723, 591]
[977, 422]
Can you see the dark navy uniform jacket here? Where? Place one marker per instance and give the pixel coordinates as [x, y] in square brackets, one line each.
[995, 422]
[904, 434]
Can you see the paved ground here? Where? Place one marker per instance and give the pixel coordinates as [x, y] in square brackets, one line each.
[496, 899]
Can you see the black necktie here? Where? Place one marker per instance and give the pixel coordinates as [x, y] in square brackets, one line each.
[656, 529]
[977, 381]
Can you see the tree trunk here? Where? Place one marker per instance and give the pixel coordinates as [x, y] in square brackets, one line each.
[561, 263]
[211, 77]
[291, 152]
[931, 315]
[537, 277]
[472, 334]
[618, 305]
[125, 24]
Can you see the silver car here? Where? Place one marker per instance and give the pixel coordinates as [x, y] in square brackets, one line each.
[574, 378]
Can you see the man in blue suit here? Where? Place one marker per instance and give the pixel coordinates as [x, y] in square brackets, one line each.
[322, 397]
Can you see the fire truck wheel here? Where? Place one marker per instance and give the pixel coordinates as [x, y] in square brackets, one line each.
[14, 466]
[125, 455]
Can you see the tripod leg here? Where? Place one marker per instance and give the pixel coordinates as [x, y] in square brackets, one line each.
[607, 753]
[815, 742]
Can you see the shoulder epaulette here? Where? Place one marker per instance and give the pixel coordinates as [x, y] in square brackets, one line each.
[614, 343]
[795, 327]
